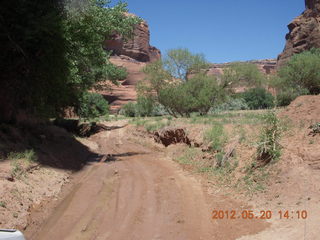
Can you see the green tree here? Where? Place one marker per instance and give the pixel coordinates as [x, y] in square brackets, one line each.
[157, 78]
[52, 54]
[242, 74]
[181, 62]
[301, 73]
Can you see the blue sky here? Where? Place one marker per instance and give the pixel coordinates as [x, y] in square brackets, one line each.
[223, 30]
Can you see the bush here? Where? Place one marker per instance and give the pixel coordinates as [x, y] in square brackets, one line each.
[286, 96]
[269, 148]
[216, 137]
[302, 72]
[258, 98]
[115, 73]
[144, 107]
[128, 110]
[198, 94]
[231, 104]
[92, 105]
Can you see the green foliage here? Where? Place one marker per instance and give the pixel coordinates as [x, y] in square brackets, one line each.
[154, 126]
[198, 94]
[242, 74]
[181, 62]
[167, 82]
[287, 95]
[216, 137]
[128, 110]
[92, 105]
[28, 155]
[258, 98]
[21, 161]
[51, 53]
[115, 73]
[269, 148]
[142, 108]
[302, 72]
[231, 104]
[157, 79]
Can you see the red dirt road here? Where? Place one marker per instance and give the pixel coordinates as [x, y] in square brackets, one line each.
[141, 196]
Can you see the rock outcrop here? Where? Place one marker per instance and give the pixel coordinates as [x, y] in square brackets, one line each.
[304, 32]
[267, 66]
[137, 48]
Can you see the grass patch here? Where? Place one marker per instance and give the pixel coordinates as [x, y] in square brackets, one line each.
[21, 161]
[189, 156]
[254, 180]
[151, 124]
[216, 137]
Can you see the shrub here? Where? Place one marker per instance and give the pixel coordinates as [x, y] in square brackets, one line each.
[144, 106]
[92, 105]
[231, 104]
[115, 73]
[128, 110]
[286, 96]
[216, 137]
[21, 161]
[302, 72]
[198, 94]
[269, 148]
[258, 98]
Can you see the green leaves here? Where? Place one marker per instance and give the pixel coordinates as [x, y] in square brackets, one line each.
[245, 74]
[181, 62]
[302, 72]
[92, 105]
[52, 54]
[198, 94]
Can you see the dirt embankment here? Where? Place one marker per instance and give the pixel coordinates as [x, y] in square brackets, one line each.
[35, 163]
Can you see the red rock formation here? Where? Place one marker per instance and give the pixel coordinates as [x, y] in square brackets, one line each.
[137, 48]
[304, 32]
[267, 66]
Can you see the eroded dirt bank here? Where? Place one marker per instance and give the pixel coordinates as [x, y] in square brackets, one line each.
[138, 193]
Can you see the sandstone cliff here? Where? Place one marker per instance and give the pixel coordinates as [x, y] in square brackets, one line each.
[267, 66]
[304, 32]
[137, 48]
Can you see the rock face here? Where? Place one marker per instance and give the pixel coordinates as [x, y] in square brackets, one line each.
[304, 32]
[267, 66]
[137, 48]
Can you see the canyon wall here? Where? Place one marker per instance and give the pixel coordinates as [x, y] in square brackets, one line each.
[304, 32]
[137, 48]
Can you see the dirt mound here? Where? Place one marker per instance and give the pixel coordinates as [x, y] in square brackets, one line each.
[171, 135]
[304, 109]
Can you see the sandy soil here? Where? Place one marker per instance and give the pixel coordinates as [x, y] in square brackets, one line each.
[140, 195]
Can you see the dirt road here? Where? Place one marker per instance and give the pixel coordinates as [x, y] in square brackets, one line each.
[141, 195]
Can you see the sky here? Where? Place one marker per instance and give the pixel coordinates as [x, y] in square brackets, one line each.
[223, 30]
